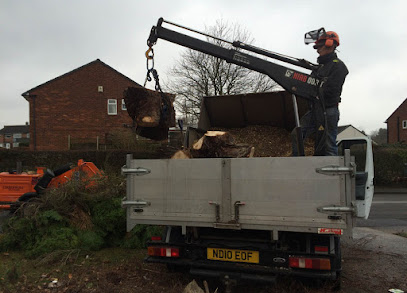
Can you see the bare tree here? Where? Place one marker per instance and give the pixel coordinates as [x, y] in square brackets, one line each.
[379, 136]
[196, 74]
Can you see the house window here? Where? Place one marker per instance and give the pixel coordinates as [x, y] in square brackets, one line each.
[15, 144]
[28, 135]
[7, 136]
[123, 105]
[404, 123]
[1, 145]
[112, 107]
[17, 135]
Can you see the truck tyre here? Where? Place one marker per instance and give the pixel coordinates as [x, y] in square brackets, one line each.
[27, 196]
[44, 181]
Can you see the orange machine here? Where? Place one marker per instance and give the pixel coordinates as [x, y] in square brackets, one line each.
[21, 187]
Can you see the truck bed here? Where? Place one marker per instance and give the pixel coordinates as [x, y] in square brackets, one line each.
[278, 194]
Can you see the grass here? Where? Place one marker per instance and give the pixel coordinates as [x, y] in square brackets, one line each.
[18, 273]
[402, 234]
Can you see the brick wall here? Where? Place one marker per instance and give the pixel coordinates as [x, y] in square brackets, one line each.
[71, 105]
[395, 130]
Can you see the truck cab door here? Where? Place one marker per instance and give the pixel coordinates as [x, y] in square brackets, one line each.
[361, 150]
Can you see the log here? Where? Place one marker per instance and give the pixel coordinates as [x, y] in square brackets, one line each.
[152, 112]
[220, 144]
[193, 287]
[182, 154]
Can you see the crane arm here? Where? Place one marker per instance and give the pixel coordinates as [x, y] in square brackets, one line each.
[291, 80]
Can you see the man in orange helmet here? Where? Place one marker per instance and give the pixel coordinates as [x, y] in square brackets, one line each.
[323, 117]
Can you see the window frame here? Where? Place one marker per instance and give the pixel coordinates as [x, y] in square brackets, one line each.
[124, 107]
[113, 103]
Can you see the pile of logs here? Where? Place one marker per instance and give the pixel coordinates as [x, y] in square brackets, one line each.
[216, 144]
[250, 141]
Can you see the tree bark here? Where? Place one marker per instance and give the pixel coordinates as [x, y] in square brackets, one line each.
[152, 112]
[220, 144]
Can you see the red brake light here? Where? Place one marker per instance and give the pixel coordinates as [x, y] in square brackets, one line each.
[310, 263]
[163, 251]
[155, 238]
[321, 249]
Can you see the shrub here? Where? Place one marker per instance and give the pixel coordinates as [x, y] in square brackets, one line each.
[90, 240]
[56, 238]
[140, 234]
[110, 219]
[390, 165]
[74, 216]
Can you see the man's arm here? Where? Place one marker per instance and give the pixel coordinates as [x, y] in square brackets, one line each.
[332, 87]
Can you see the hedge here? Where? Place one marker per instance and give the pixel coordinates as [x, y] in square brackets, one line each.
[110, 161]
[390, 160]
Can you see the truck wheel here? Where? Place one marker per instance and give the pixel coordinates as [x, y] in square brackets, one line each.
[336, 286]
[44, 181]
[27, 196]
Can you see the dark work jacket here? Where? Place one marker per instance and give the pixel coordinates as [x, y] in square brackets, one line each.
[332, 72]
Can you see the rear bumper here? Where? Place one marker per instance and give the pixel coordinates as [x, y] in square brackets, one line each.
[218, 269]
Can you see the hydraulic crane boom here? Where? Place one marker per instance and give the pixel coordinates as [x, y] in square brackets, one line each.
[295, 82]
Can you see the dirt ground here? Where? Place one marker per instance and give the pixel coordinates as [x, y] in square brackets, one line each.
[118, 270]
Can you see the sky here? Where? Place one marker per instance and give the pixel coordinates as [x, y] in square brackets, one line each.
[43, 39]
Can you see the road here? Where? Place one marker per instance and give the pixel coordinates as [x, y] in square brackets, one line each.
[388, 213]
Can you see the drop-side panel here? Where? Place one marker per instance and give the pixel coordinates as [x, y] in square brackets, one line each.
[286, 192]
[280, 194]
[178, 192]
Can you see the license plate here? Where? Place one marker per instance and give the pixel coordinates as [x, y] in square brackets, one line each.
[235, 255]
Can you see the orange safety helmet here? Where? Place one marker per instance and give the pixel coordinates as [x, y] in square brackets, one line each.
[330, 39]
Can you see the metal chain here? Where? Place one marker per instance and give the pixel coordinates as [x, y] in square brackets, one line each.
[150, 70]
[150, 64]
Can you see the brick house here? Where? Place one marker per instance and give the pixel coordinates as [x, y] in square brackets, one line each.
[14, 136]
[84, 104]
[397, 124]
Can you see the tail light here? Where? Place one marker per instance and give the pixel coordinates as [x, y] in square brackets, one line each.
[321, 249]
[156, 238]
[310, 263]
[163, 251]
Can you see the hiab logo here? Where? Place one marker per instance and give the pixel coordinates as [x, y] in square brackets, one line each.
[289, 73]
[299, 76]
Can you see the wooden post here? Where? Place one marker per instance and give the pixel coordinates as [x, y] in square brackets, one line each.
[19, 167]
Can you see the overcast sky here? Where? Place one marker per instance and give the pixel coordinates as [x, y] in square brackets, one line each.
[41, 40]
